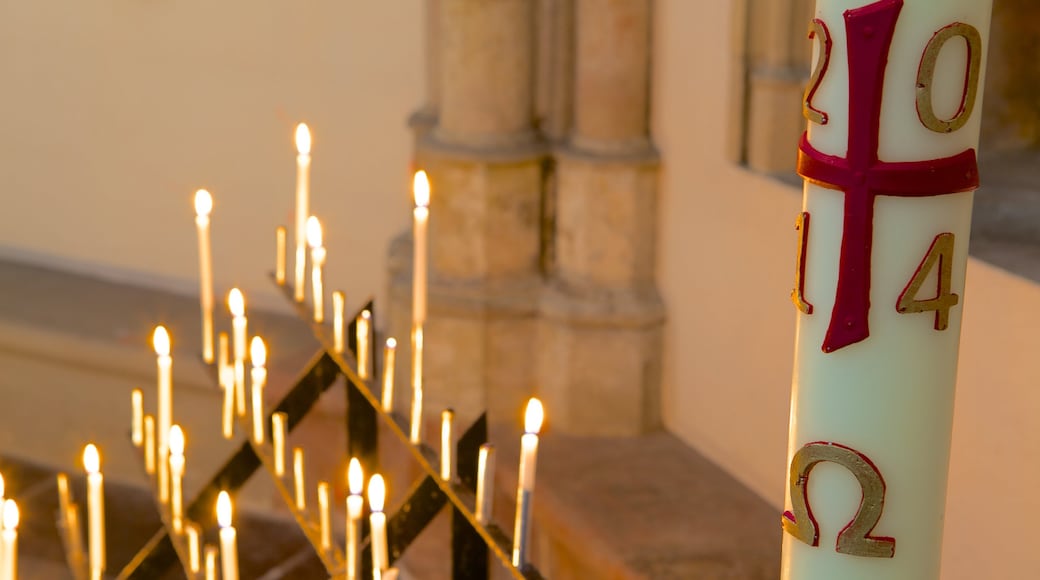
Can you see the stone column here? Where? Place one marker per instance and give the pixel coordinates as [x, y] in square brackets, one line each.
[601, 316]
[485, 168]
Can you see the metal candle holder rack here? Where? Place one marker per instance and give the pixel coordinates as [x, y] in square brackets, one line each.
[474, 545]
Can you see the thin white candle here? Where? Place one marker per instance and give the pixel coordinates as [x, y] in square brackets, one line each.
[377, 522]
[447, 455]
[223, 357]
[485, 482]
[421, 216]
[338, 303]
[237, 305]
[525, 489]
[149, 444]
[194, 559]
[279, 255]
[137, 417]
[355, 505]
[9, 542]
[176, 477]
[300, 491]
[228, 540]
[161, 342]
[417, 386]
[258, 354]
[389, 358]
[314, 240]
[227, 415]
[211, 562]
[364, 333]
[279, 423]
[303, 171]
[203, 207]
[324, 529]
[95, 510]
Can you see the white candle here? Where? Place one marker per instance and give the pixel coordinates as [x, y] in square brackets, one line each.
[533, 417]
[237, 306]
[279, 256]
[161, 342]
[149, 444]
[485, 482]
[355, 505]
[364, 333]
[377, 522]
[303, 171]
[258, 354]
[324, 530]
[9, 542]
[227, 415]
[447, 456]
[314, 240]
[176, 476]
[137, 417]
[889, 164]
[279, 423]
[389, 358]
[228, 541]
[415, 432]
[223, 358]
[211, 562]
[338, 300]
[300, 491]
[194, 559]
[203, 206]
[95, 510]
[421, 216]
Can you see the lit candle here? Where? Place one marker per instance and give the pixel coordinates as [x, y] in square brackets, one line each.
[485, 482]
[193, 548]
[377, 522]
[137, 417]
[314, 240]
[279, 256]
[325, 532]
[222, 353]
[237, 306]
[149, 444]
[9, 542]
[95, 511]
[389, 356]
[203, 206]
[447, 457]
[355, 504]
[301, 492]
[161, 342]
[228, 541]
[211, 562]
[227, 415]
[363, 329]
[258, 354]
[303, 171]
[890, 166]
[417, 386]
[525, 489]
[338, 299]
[279, 422]
[421, 217]
[176, 476]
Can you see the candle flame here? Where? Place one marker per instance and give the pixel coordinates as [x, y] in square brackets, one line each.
[176, 440]
[314, 233]
[10, 515]
[161, 341]
[355, 477]
[533, 416]
[203, 203]
[258, 352]
[236, 302]
[421, 189]
[224, 509]
[376, 493]
[303, 139]
[91, 458]
[391, 343]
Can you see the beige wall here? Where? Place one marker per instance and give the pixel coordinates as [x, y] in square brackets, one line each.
[727, 267]
[113, 113]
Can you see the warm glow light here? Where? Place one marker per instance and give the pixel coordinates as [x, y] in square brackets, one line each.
[203, 203]
[376, 493]
[314, 232]
[258, 352]
[161, 341]
[224, 509]
[91, 459]
[421, 189]
[391, 342]
[176, 440]
[355, 477]
[533, 416]
[303, 139]
[10, 515]
[236, 302]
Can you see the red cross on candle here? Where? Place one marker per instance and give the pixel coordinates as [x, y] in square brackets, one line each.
[863, 177]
